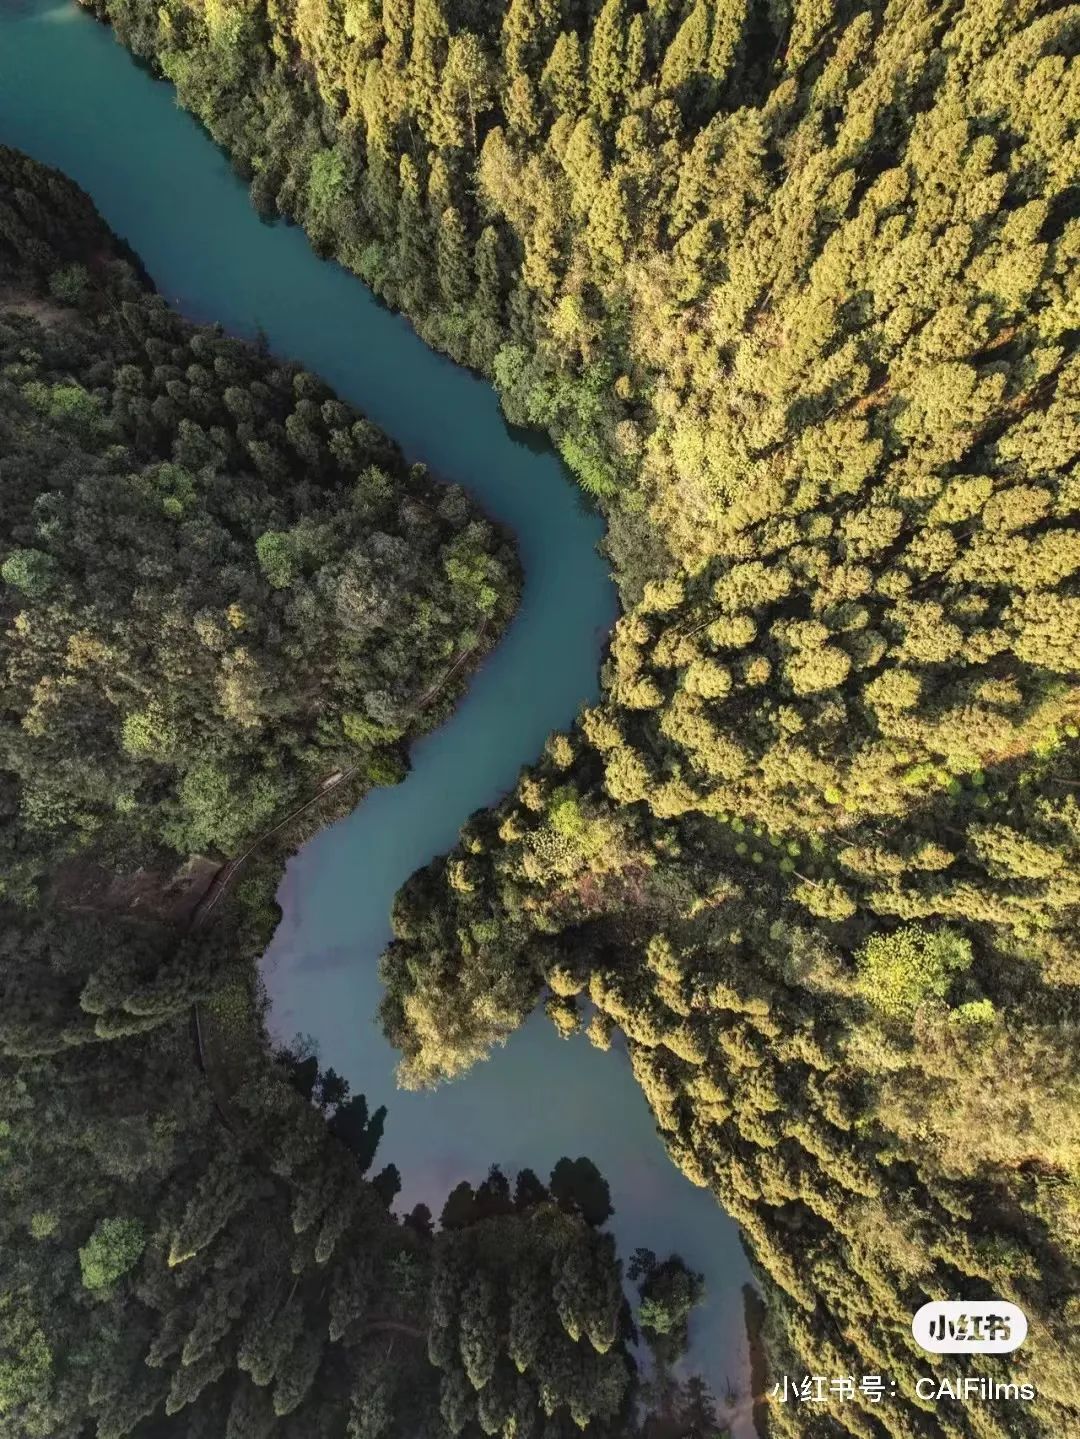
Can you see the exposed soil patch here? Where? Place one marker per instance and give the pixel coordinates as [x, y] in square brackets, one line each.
[80, 884]
[20, 302]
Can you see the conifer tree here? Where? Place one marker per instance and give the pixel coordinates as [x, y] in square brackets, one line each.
[606, 74]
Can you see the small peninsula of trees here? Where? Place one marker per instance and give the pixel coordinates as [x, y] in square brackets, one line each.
[221, 586]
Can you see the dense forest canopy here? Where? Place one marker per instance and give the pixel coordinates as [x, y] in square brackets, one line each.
[221, 587]
[794, 287]
[164, 1275]
[221, 584]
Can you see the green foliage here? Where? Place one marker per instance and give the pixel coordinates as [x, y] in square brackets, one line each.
[899, 972]
[64, 403]
[147, 734]
[69, 284]
[30, 571]
[43, 1224]
[217, 810]
[793, 288]
[564, 813]
[147, 722]
[326, 183]
[111, 1251]
[669, 1292]
[595, 475]
[976, 1014]
[277, 559]
[25, 1358]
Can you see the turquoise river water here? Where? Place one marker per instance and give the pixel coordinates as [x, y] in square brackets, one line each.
[70, 96]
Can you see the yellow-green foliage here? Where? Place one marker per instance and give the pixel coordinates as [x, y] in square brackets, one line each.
[794, 287]
[900, 971]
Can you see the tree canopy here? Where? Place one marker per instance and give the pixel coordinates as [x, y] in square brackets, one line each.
[793, 287]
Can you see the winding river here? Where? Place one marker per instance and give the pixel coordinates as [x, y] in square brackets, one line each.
[70, 96]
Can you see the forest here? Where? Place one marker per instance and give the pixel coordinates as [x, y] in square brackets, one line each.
[220, 584]
[793, 288]
[221, 587]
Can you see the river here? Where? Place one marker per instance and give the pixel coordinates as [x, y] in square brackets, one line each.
[70, 96]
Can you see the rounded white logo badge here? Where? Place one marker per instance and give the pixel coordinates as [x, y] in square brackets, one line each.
[969, 1326]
